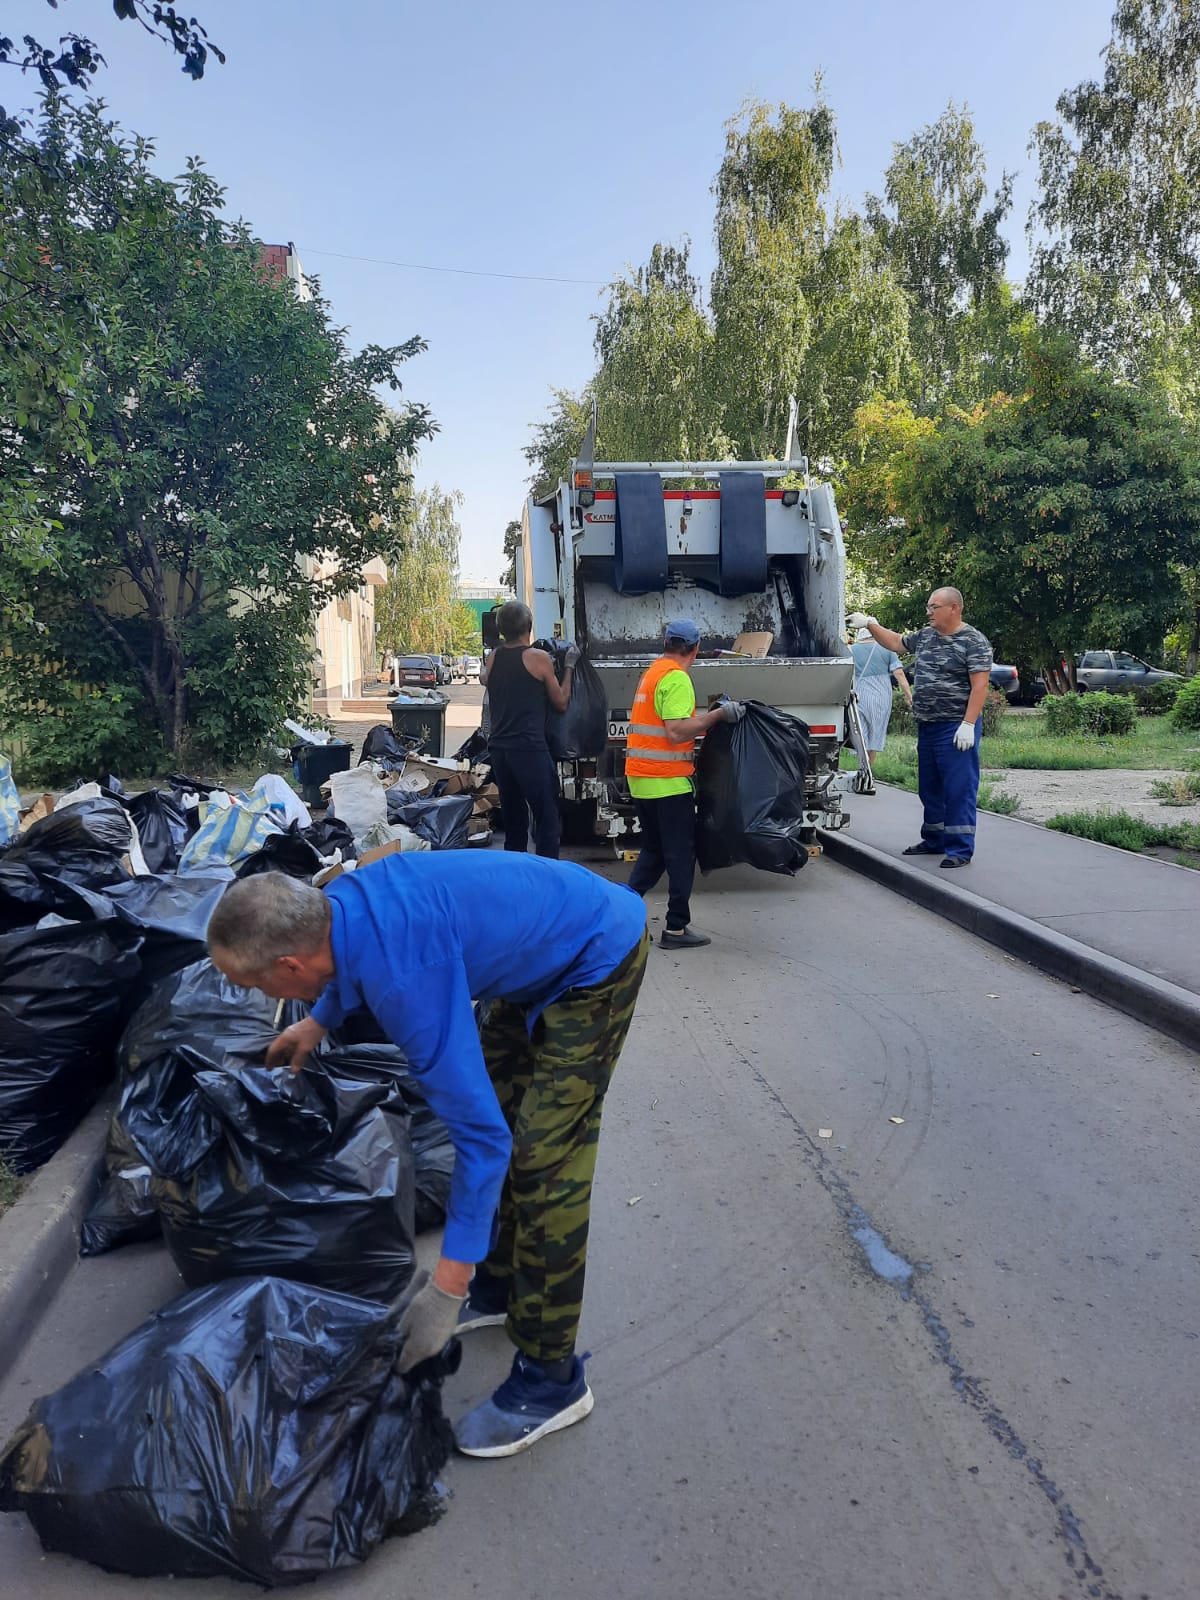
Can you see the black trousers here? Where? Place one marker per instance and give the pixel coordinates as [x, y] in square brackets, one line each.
[528, 782]
[668, 845]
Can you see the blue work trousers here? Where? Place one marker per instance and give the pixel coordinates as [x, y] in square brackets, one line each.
[948, 783]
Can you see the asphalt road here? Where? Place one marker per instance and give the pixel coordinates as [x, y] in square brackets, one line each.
[1011, 1413]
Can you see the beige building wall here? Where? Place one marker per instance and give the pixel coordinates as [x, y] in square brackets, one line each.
[344, 656]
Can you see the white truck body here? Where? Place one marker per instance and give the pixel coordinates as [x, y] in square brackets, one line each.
[569, 572]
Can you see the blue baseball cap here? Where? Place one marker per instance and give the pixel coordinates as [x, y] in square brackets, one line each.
[683, 629]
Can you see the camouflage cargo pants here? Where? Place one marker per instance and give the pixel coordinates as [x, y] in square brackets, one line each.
[551, 1088]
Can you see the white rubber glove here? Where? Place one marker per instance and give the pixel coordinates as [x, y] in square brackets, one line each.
[860, 619]
[964, 736]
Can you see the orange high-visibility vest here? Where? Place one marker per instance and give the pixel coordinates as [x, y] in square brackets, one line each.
[648, 751]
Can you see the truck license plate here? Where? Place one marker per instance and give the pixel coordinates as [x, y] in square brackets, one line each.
[618, 731]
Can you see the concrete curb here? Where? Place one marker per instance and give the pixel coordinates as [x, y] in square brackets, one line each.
[39, 1234]
[1165, 1006]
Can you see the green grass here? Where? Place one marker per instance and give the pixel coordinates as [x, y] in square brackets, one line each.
[1181, 790]
[1128, 832]
[10, 1185]
[1022, 743]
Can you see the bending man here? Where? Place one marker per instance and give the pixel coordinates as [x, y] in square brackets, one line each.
[558, 954]
[950, 684]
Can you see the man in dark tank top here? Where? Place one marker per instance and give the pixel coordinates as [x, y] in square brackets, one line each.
[521, 688]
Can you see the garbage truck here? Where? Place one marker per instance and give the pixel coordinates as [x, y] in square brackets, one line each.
[751, 550]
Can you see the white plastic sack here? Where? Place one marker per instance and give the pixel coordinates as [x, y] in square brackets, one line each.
[387, 833]
[284, 801]
[358, 799]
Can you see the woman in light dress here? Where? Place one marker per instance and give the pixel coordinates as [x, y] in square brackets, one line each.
[874, 669]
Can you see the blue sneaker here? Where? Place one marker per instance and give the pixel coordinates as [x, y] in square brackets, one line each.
[523, 1409]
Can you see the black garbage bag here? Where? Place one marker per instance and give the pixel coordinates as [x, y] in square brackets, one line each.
[474, 750]
[164, 828]
[172, 916]
[750, 786]
[254, 1430]
[84, 843]
[288, 852]
[443, 821]
[581, 731]
[122, 1210]
[64, 987]
[433, 1152]
[308, 1176]
[328, 834]
[382, 745]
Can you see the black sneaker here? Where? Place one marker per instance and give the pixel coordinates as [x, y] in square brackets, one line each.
[472, 1315]
[683, 939]
[525, 1408]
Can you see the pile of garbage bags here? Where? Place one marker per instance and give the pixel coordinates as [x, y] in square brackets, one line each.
[323, 1176]
[104, 894]
[255, 1429]
[750, 792]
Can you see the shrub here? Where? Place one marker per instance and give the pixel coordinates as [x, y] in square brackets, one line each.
[1101, 714]
[1186, 715]
[994, 708]
[1156, 699]
[902, 720]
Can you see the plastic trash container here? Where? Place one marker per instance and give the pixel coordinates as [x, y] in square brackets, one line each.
[314, 764]
[421, 719]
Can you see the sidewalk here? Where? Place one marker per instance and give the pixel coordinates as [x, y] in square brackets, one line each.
[1137, 909]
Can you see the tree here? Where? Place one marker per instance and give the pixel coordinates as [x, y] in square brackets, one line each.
[943, 238]
[654, 346]
[465, 638]
[76, 60]
[1118, 261]
[414, 610]
[770, 224]
[557, 438]
[512, 537]
[217, 442]
[1062, 514]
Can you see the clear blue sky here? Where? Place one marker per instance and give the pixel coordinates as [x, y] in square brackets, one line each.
[543, 138]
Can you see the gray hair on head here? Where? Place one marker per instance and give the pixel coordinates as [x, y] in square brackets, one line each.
[265, 917]
[514, 620]
[953, 595]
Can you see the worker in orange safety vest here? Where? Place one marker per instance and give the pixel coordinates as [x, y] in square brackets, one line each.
[660, 768]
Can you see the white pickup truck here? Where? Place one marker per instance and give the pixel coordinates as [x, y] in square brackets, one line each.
[746, 549]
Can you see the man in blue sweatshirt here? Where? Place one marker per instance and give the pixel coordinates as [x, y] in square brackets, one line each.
[557, 956]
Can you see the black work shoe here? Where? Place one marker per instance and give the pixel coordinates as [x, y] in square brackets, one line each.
[957, 861]
[683, 939]
[921, 850]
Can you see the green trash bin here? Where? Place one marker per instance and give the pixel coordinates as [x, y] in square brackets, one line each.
[421, 719]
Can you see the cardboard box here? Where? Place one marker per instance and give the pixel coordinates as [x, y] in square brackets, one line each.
[753, 644]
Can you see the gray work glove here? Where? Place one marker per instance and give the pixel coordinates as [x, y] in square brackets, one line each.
[732, 710]
[571, 659]
[427, 1322]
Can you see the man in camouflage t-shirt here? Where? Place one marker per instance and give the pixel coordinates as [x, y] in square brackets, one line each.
[950, 684]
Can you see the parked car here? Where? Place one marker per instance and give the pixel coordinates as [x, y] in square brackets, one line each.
[474, 666]
[1117, 671]
[416, 671]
